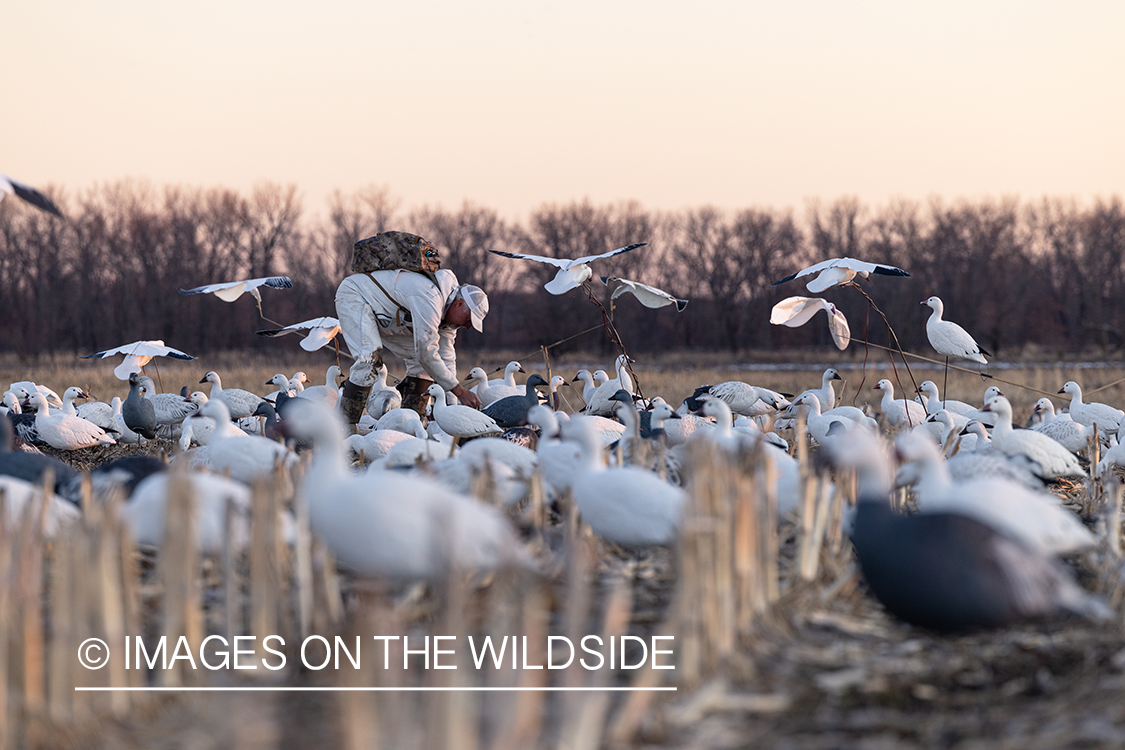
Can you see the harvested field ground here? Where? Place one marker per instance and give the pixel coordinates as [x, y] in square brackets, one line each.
[816, 665]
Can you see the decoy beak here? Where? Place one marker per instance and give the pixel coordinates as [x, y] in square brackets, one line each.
[837, 377]
[203, 379]
[675, 416]
[1061, 390]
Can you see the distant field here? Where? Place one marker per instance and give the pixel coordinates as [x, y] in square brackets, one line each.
[674, 376]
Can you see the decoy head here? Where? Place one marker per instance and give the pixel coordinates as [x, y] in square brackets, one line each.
[1071, 387]
[208, 378]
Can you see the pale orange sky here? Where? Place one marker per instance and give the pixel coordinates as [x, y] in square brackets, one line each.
[514, 104]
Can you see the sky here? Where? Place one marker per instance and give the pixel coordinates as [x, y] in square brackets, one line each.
[514, 104]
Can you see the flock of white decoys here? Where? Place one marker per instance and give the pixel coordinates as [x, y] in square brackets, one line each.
[402, 497]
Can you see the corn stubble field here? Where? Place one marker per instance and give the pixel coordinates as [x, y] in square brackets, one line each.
[776, 642]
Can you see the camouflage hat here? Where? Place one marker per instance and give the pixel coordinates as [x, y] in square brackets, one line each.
[390, 250]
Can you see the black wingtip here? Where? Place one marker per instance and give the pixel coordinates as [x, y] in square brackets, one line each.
[280, 282]
[889, 271]
[681, 304]
[36, 198]
[605, 279]
[187, 291]
[270, 332]
[790, 277]
[984, 351]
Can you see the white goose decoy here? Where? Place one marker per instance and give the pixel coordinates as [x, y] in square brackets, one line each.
[1048, 458]
[403, 526]
[99, 413]
[280, 382]
[247, 458]
[171, 408]
[491, 391]
[239, 403]
[836, 271]
[649, 296]
[748, 400]
[461, 421]
[383, 398]
[625, 505]
[329, 393]
[522, 461]
[321, 331]
[26, 193]
[1033, 518]
[1107, 418]
[19, 494]
[571, 273]
[144, 512]
[137, 355]
[601, 402]
[403, 420]
[819, 424]
[559, 460]
[29, 388]
[1115, 456]
[229, 291]
[378, 443]
[901, 413]
[935, 404]
[794, 312]
[826, 394]
[588, 384]
[986, 418]
[509, 378]
[1062, 427]
[64, 432]
[950, 339]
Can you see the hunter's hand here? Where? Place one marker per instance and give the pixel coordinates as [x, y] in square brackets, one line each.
[466, 397]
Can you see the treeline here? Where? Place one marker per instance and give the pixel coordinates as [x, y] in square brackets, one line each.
[1049, 273]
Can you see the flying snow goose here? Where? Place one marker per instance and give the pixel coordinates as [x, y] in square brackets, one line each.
[231, 290]
[403, 526]
[1049, 458]
[1034, 518]
[1107, 418]
[950, 339]
[571, 273]
[649, 296]
[901, 413]
[947, 571]
[836, 271]
[321, 331]
[36, 198]
[64, 432]
[137, 355]
[461, 421]
[794, 312]
[239, 403]
[625, 505]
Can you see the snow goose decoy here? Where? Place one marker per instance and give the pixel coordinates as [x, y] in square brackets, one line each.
[248, 458]
[935, 404]
[572, 272]
[29, 467]
[29, 388]
[170, 408]
[492, 391]
[63, 432]
[402, 526]
[1048, 458]
[462, 421]
[901, 413]
[747, 400]
[383, 398]
[826, 394]
[511, 411]
[950, 339]
[28, 194]
[239, 403]
[145, 511]
[836, 271]
[1062, 427]
[329, 393]
[649, 296]
[1107, 418]
[794, 312]
[947, 571]
[601, 402]
[137, 355]
[321, 331]
[625, 505]
[1034, 518]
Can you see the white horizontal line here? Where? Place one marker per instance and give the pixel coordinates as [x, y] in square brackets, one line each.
[370, 689]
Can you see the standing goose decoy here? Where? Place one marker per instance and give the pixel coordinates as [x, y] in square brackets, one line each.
[588, 384]
[96, 415]
[950, 339]
[947, 571]
[1107, 418]
[1048, 458]
[934, 403]
[625, 505]
[837, 271]
[282, 384]
[902, 413]
[818, 424]
[491, 391]
[30, 388]
[600, 402]
[64, 432]
[28, 194]
[138, 412]
[462, 421]
[555, 398]
[126, 436]
[986, 418]
[329, 393]
[239, 403]
[248, 458]
[26, 436]
[512, 410]
[383, 398]
[1062, 427]
[826, 394]
[170, 408]
[572, 272]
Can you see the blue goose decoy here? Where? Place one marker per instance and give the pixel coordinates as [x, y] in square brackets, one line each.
[139, 414]
[511, 411]
[945, 571]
